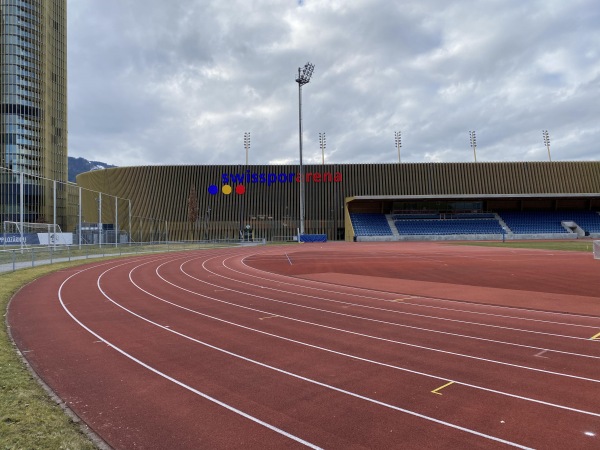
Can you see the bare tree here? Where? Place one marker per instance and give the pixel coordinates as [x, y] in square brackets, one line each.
[192, 211]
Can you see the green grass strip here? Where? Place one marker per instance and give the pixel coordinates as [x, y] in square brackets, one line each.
[29, 418]
[570, 245]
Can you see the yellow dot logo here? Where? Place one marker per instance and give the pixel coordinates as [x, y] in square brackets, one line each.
[226, 189]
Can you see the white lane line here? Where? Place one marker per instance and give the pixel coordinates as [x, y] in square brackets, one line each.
[167, 377]
[291, 374]
[429, 330]
[398, 312]
[420, 305]
[376, 337]
[332, 285]
[386, 322]
[405, 313]
[289, 260]
[358, 358]
[407, 303]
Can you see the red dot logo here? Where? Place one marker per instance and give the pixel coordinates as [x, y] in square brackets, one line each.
[240, 189]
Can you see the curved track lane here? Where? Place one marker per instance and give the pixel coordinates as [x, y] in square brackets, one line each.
[332, 346]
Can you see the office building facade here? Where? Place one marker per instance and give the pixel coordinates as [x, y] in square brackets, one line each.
[33, 125]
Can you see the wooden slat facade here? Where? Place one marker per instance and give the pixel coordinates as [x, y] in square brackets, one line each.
[160, 193]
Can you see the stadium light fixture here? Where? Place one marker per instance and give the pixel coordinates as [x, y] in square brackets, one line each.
[322, 143]
[304, 75]
[546, 137]
[398, 143]
[247, 145]
[473, 140]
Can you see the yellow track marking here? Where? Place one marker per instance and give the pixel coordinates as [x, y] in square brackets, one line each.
[268, 317]
[594, 337]
[435, 391]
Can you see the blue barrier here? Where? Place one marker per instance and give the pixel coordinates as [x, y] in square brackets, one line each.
[313, 238]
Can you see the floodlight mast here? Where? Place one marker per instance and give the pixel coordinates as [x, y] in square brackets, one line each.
[247, 145]
[242, 199]
[547, 142]
[473, 139]
[398, 135]
[304, 75]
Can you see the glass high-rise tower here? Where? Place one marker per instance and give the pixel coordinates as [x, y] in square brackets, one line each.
[33, 94]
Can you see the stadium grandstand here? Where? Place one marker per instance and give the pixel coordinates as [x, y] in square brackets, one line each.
[362, 202]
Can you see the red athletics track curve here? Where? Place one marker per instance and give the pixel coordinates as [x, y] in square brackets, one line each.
[333, 346]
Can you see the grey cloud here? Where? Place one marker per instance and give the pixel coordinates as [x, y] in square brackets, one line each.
[159, 82]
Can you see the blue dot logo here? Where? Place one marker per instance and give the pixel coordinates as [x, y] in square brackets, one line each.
[212, 189]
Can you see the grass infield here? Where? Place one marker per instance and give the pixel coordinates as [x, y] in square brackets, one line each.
[30, 418]
[570, 245]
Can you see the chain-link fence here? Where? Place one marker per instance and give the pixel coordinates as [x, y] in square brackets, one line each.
[40, 211]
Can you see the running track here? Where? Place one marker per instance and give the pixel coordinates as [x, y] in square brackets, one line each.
[407, 345]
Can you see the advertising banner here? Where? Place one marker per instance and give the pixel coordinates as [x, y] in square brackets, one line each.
[36, 239]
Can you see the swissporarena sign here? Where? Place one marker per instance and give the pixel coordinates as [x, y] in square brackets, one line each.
[240, 180]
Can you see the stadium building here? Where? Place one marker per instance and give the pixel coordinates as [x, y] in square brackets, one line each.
[33, 125]
[512, 200]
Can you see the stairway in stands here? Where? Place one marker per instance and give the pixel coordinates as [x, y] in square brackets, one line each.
[392, 226]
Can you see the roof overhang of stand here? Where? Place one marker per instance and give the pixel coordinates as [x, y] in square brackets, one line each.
[467, 197]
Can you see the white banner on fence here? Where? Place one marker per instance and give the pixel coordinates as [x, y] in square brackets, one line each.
[55, 238]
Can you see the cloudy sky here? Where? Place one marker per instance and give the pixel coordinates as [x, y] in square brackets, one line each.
[180, 82]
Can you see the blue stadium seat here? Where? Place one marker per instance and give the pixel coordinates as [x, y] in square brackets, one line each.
[539, 222]
[448, 226]
[370, 224]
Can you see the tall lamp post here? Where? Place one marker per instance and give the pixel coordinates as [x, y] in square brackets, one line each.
[398, 143]
[547, 142]
[304, 75]
[242, 198]
[473, 140]
[322, 144]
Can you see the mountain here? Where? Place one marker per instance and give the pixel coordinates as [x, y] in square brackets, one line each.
[80, 165]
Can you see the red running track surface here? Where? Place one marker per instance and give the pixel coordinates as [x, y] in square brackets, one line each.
[338, 345]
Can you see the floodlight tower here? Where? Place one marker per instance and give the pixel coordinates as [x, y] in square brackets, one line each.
[473, 140]
[398, 143]
[242, 198]
[304, 75]
[547, 142]
[322, 144]
[247, 145]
